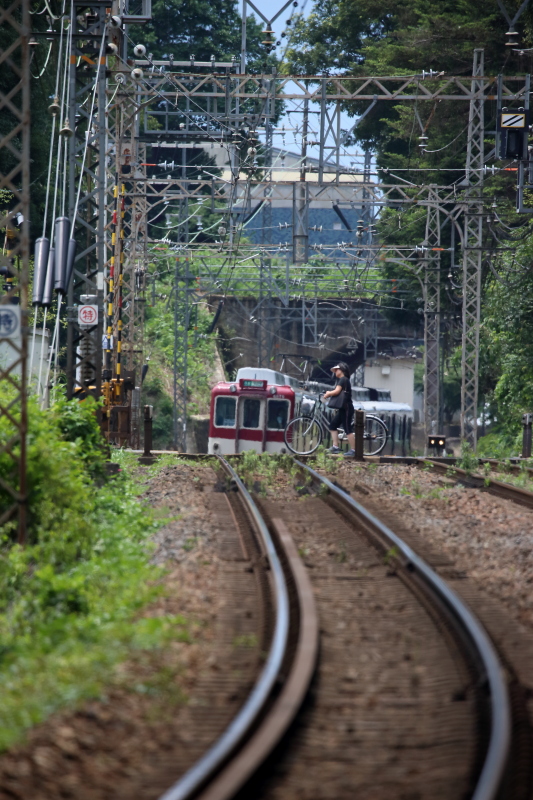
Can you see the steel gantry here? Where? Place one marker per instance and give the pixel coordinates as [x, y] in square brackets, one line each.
[183, 290]
[432, 282]
[88, 151]
[147, 104]
[15, 177]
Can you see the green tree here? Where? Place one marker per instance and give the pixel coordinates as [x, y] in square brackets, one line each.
[390, 37]
[181, 28]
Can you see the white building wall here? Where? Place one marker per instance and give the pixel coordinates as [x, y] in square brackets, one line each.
[8, 354]
[397, 375]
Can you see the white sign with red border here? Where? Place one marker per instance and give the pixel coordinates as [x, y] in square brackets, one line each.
[87, 316]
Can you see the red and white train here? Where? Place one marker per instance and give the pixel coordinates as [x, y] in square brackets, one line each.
[251, 413]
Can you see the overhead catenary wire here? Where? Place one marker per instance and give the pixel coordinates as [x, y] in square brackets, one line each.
[47, 200]
[66, 95]
[41, 73]
[55, 340]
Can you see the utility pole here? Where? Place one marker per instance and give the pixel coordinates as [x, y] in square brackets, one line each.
[300, 222]
[432, 317]
[472, 254]
[87, 196]
[267, 207]
[182, 291]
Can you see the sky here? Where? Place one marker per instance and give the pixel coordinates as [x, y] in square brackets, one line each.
[291, 140]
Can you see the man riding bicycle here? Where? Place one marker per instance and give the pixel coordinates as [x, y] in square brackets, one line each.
[342, 392]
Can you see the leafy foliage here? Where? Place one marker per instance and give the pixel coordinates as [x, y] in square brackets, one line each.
[202, 28]
[160, 329]
[69, 601]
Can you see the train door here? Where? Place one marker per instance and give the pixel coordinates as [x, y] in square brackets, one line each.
[251, 424]
[278, 411]
[224, 425]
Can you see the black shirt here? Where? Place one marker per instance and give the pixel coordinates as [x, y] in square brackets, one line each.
[346, 387]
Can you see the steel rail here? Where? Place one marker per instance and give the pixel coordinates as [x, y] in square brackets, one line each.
[492, 773]
[296, 682]
[477, 481]
[207, 766]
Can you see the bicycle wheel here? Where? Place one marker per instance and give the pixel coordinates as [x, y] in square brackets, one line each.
[375, 436]
[303, 435]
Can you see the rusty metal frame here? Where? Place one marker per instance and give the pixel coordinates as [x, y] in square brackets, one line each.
[87, 157]
[15, 176]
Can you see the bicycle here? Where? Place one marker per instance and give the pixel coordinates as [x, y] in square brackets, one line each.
[304, 434]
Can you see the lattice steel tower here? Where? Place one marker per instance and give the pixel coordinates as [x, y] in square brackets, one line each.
[472, 254]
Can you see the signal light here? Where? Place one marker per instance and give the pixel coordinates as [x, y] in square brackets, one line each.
[437, 443]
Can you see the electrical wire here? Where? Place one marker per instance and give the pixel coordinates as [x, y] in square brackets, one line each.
[55, 340]
[47, 197]
[206, 114]
[41, 73]
[449, 143]
[47, 8]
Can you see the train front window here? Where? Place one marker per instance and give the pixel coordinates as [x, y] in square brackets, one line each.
[225, 412]
[278, 413]
[251, 412]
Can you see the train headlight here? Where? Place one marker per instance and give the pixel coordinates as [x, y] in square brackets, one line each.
[273, 390]
[233, 388]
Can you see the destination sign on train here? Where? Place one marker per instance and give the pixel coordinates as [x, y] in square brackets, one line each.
[246, 383]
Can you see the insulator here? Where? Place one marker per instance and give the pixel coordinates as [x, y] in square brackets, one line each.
[137, 74]
[139, 50]
[269, 37]
[48, 292]
[54, 107]
[71, 255]
[111, 49]
[62, 233]
[42, 248]
[66, 130]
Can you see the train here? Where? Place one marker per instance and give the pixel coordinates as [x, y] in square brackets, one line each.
[251, 412]
[398, 417]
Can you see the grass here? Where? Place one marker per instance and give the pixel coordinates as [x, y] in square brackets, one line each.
[75, 602]
[324, 461]
[468, 460]
[415, 490]
[264, 468]
[246, 640]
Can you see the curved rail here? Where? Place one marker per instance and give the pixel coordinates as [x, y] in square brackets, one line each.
[208, 767]
[472, 479]
[496, 757]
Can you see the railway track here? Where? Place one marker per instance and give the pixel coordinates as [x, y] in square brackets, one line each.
[484, 482]
[446, 467]
[290, 621]
[379, 586]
